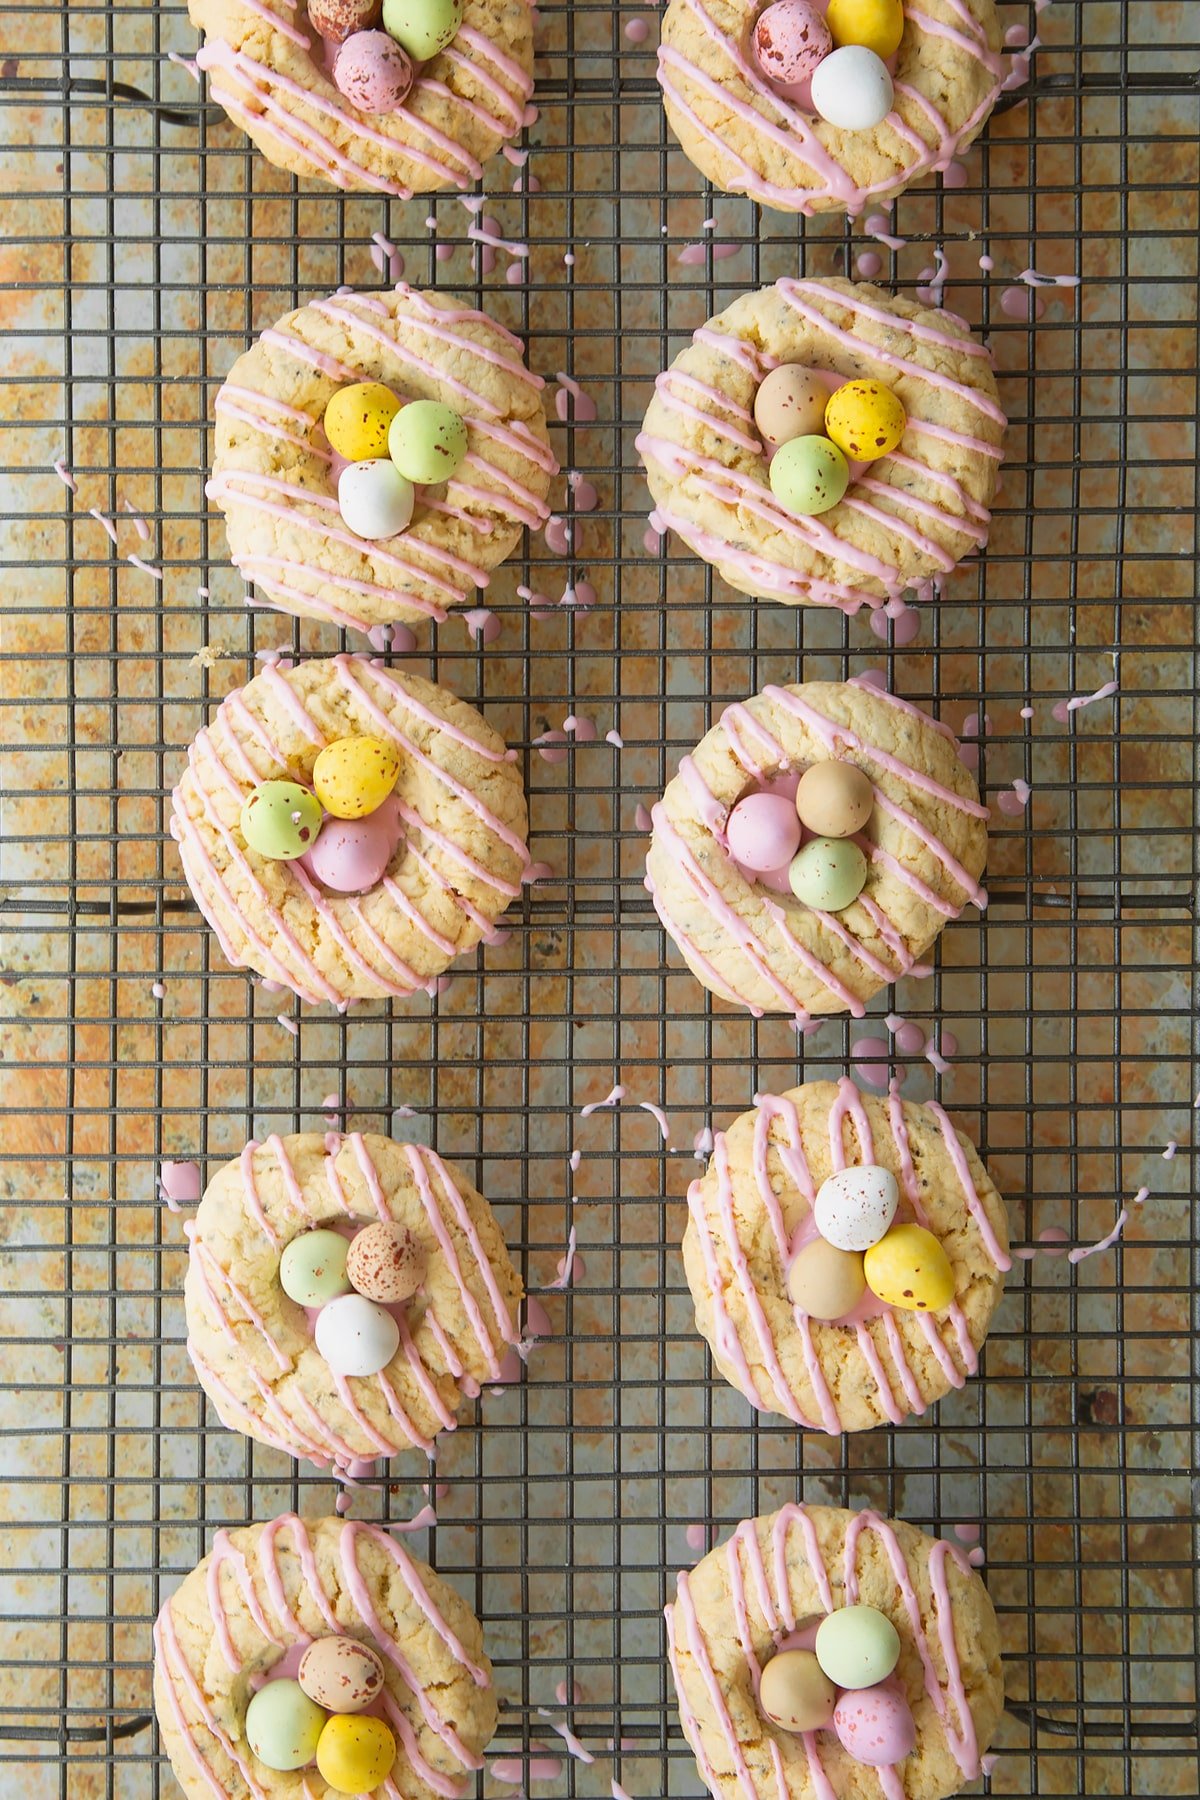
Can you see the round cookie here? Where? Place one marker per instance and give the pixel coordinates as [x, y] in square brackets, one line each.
[270, 70]
[245, 1616]
[457, 813]
[905, 521]
[750, 1214]
[925, 843]
[749, 138]
[767, 1588]
[274, 476]
[254, 1349]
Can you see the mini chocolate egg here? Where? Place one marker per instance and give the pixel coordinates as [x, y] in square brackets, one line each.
[385, 1262]
[852, 89]
[834, 799]
[790, 403]
[808, 475]
[357, 420]
[280, 820]
[855, 1206]
[878, 25]
[875, 1725]
[423, 27]
[864, 419]
[763, 832]
[351, 855]
[355, 1336]
[372, 72]
[283, 1726]
[336, 20]
[354, 775]
[857, 1646]
[355, 1753]
[828, 874]
[795, 1692]
[427, 441]
[790, 38]
[340, 1674]
[312, 1269]
[825, 1282]
[909, 1269]
[375, 499]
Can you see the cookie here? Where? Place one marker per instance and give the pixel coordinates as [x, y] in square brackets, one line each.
[750, 1215]
[456, 818]
[254, 1348]
[766, 1590]
[244, 1617]
[922, 850]
[749, 137]
[273, 74]
[905, 521]
[275, 478]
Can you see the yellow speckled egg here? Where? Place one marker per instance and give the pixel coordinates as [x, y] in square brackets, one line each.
[864, 419]
[358, 419]
[909, 1269]
[355, 775]
[876, 24]
[355, 1752]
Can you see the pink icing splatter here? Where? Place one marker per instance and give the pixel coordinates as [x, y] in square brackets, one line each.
[558, 536]
[179, 1184]
[571, 401]
[483, 626]
[868, 264]
[637, 31]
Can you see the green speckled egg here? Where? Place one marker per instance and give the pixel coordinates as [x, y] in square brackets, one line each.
[857, 1646]
[283, 1725]
[808, 475]
[312, 1268]
[427, 441]
[422, 27]
[828, 873]
[281, 820]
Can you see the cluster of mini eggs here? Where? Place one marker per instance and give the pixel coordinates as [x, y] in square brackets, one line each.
[845, 1682]
[806, 843]
[344, 828]
[833, 60]
[859, 1247]
[318, 1716]
[373, 45]
[813, 435]
[351, 1283]
[389, 449]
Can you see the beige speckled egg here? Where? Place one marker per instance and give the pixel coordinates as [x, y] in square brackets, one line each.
[790, 403]
[385, 1262]
[825, 1282]
[795, 1692]
[834, 799]
[340, 1674]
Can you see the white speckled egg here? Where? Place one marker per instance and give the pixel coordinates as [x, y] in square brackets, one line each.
[375, 499]
[355, 1336]
[852, 89]
[854, 1207]
[340, 1674]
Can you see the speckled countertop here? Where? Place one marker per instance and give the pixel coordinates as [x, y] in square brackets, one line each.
[141, 257]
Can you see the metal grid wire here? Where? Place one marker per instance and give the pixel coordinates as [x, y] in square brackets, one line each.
[147, 244]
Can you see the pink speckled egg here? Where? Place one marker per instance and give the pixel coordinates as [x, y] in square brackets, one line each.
[790, 40]
[763, 832]
[340, 1674]
[351, 855]
[385, 1263]
[875, 1725]
[373, 72]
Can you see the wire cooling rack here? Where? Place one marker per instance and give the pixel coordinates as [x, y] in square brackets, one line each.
[146, 245]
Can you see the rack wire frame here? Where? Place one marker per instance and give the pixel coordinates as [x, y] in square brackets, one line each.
[147, 244]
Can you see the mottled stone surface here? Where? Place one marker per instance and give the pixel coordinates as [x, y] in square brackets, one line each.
[1070, 999]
